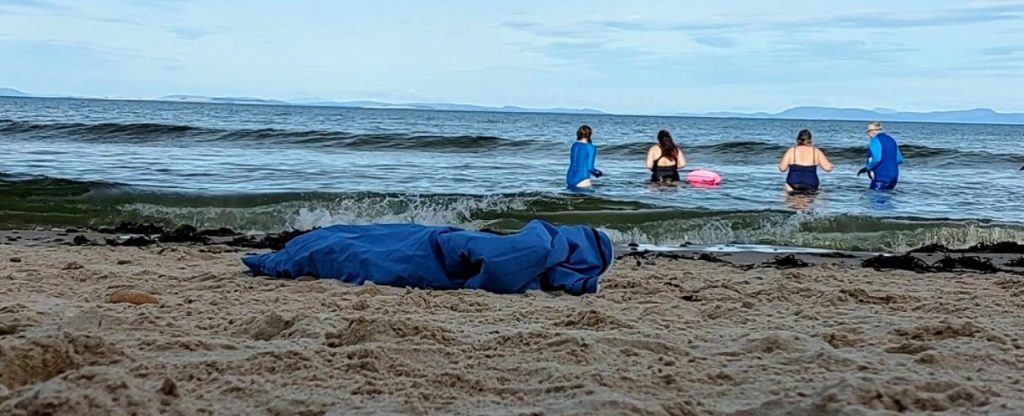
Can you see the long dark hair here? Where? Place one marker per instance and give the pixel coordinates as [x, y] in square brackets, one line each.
[803, 137]
[584, 132]
[668, 147]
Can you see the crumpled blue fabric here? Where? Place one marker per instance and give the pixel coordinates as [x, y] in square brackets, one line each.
[539, 257]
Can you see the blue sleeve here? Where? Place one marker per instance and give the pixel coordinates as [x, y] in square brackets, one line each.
[899, 156]
[876, 154]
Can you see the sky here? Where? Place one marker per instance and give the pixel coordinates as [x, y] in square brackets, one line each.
[637, 56]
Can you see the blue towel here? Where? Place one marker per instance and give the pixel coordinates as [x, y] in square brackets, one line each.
[541, 256]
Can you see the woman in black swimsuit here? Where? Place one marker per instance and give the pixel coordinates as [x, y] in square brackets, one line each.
[665, 159]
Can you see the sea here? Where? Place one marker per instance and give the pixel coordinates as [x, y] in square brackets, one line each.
[263, 168]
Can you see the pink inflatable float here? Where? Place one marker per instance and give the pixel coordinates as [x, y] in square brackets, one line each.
[704, 178]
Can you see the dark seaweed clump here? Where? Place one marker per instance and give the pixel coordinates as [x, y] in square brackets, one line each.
[219, 232]
[904, 262]
[946, 264]
[646, 256]
[149, 234]
[127, 227]
[932, 248]
[1004, 247]
[1017, 262]
[272, 241]
[953, 264]
[710, 258]
[184, 234]
[787, 262]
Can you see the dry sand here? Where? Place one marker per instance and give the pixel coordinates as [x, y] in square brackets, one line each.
[672, 338]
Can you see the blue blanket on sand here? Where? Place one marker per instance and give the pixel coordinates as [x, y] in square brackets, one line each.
[541, 256]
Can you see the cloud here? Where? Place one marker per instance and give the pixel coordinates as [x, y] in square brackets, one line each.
[520, 25]
[635, 25]
[23, 7]
[948, 17]
[594, 53]
[1003, 51]
[993, 68]
[997, 60]
[540, 30]
[31, 4]
[997, 12]
[837, 50]
[723, 42]
[189, 33]
[52, 9]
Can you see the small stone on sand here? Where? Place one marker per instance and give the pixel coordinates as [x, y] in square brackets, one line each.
[169, 388]
[134, 297]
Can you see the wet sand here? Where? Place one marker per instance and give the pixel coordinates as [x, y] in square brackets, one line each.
[664, 337]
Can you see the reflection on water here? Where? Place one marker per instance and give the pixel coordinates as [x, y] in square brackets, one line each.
[881, 200]
[801, 202]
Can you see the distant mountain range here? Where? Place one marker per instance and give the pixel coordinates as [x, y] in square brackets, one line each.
[447, 107]
[221, 100]
[976, 116]
[11, 92]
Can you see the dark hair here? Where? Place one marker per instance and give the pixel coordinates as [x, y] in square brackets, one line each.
[803, 137]
[668, 147]
[584, 132]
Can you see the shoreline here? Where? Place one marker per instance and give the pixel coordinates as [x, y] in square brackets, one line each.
[997, 257]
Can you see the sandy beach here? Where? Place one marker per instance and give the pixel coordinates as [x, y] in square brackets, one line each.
[664, 337]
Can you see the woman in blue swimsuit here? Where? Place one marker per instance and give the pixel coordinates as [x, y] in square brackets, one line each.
[802, 162]
[582, 156]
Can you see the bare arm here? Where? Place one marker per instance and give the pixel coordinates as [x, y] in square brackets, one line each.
[651, 157]
[823, 161]
[784, 162]
[680, 159]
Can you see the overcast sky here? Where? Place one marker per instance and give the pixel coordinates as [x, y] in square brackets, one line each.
[637, 56]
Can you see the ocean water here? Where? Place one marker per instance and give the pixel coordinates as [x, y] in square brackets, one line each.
[66, 162]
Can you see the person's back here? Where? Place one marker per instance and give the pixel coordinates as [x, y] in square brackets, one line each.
[884, 159]
[804, 155]
[802, 162]
[582, 156]
[889, 168]
[665, 159]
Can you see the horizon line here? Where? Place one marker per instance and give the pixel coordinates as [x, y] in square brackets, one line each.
[753, 115]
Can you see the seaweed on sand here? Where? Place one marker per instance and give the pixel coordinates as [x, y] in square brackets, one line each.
[953, 264]
[903, 262]
[787, 262]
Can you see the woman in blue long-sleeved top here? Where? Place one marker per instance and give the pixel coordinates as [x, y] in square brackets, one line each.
[884, 159]
[582, 156]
